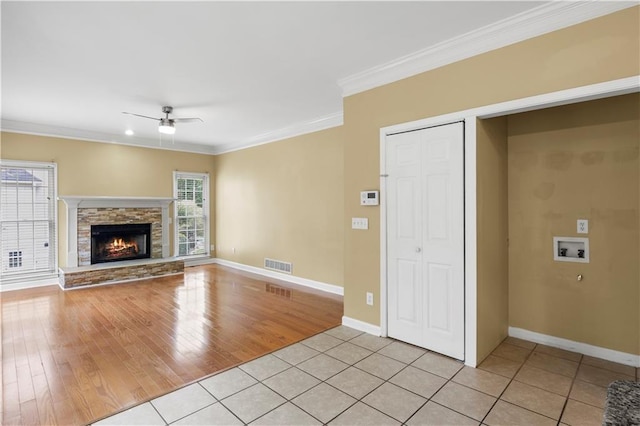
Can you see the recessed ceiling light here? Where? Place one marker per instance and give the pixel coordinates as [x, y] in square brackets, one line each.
[129, 132]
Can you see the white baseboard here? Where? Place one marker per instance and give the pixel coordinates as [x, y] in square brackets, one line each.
[570, 345]
[196, 261]
[329, 288]
[11, 285]
[361, 326]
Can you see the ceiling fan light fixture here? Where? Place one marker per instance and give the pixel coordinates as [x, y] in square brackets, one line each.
[166, 127]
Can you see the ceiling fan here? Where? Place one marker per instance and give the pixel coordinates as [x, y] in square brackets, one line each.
[167, 125]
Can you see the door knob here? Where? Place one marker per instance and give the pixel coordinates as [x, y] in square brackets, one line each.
[418, 249]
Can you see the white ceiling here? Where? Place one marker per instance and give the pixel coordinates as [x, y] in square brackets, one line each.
[250, 70]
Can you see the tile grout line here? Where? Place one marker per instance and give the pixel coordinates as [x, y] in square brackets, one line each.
[406, 365]
[508, 384]
[353, 366]
[260, 382]
[217, 401]
[511, 380]
[381, 384]
[366, 372]
[573, 381]
[574, 378]
[287, 400]
[432, 395]
[156, 410]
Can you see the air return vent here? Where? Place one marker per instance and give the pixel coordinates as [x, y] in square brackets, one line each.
[278, 265]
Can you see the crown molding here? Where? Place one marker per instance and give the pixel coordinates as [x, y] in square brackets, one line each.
[314, 125]
[91, 136]
[326, 122]
[532, 23]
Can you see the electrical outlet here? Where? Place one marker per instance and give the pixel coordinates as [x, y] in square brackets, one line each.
[359, 223]
[233, 250]
[369, 299]
[583, 226]
[213, 247]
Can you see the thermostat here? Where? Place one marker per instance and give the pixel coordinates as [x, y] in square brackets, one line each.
[369, 198]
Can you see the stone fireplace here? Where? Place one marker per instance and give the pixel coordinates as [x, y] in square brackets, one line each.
[98, 252]
[114, 217]
[82, 212]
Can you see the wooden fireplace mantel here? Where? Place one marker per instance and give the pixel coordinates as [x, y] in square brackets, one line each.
[75, 202]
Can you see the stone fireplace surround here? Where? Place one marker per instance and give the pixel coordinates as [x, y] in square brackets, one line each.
[115, 216]
[83, 211]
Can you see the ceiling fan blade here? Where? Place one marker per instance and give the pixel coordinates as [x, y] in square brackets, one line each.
[187, 120]
[140, 115]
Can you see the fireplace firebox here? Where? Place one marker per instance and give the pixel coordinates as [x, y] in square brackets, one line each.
[113, 243]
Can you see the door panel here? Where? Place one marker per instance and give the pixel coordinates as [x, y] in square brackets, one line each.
[405, 211]
[438, 297]
[407, 301]
[425, 238]
[405, 269]
[436, 216]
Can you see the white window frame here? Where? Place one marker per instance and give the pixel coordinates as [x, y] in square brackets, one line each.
[36, 279]
[205, 207]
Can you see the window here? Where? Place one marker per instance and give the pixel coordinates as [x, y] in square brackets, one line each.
[27, 220]
[15, 259]
[191, 213]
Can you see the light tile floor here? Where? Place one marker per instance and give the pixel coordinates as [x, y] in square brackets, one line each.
[344, 377]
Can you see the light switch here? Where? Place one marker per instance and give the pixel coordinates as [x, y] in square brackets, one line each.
[583, 226]
[359, 223]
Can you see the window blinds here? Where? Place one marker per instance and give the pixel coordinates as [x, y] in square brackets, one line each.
[28, 243]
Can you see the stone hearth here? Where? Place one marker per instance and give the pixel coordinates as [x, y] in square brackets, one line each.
[111, 273]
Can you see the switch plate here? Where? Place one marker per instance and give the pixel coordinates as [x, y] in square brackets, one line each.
[359, 223]
[213, 247]
[583, 226]
[369, 299]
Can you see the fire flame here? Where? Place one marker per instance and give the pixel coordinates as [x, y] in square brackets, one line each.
[118, 244]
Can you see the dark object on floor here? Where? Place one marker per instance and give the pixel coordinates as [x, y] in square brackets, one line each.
[623, 404]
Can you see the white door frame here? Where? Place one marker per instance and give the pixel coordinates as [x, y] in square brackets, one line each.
[563, 97]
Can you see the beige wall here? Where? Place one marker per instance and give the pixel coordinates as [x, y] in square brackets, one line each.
[568, 163]
[492, 235]
[284, 201]
[603, 49]
[293, 200]
[101, 169]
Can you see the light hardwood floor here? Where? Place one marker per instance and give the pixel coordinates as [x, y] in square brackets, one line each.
[73, 357]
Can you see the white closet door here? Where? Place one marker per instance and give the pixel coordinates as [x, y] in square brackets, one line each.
[425, 235]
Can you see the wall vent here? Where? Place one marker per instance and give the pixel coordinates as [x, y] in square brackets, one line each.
[278, 265]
